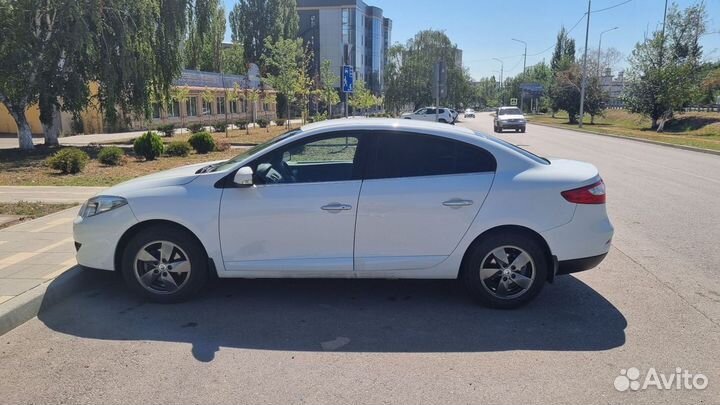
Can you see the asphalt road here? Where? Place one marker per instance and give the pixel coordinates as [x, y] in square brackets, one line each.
[654, 302]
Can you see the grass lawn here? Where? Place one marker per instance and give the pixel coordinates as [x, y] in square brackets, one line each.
[701, 130]
[28, 168]
[30, 210]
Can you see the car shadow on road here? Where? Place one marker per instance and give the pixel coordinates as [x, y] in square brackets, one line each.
[344, 315]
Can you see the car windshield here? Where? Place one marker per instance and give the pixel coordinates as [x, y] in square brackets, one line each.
[252, 151]
[510, 111]
[516, 148]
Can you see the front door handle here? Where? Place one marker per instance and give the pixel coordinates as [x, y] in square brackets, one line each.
[336, 207]
[456, 202]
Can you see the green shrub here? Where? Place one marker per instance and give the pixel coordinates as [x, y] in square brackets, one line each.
[220, 127]
[168, 130]
[195, 128]
[221, 145]
[177, 148]
[242, 124]
[69, 160]
[202, 142]
[262, 123]
[148, 145]
[112, 156]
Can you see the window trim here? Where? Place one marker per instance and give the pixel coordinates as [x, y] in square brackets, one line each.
[375, 140]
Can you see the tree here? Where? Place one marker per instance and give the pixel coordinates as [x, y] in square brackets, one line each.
[286, 57]
[208, 97]
[233, 60]
[361, 98]
[562, 59]
[203, 46]
[51, 51]
[409, 75]
[181, 94]
[663, 74]
[328, 82]
[253, 22]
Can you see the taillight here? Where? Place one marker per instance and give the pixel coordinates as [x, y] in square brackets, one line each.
[592, 194]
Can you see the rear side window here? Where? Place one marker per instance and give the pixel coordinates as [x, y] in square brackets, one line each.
[441, 111]
[412, 155]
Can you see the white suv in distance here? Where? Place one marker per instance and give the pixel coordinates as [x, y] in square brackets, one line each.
[509, 118]
[429, 114]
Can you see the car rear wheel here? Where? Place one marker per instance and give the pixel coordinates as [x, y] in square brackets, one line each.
[505, 270]
[164, 264]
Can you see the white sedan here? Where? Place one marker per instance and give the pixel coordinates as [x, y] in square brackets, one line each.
[355, 199]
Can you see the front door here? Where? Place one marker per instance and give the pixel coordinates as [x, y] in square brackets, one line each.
[299, 218]
[420, 196]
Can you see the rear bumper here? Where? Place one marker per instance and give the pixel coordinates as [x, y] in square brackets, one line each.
[578, 265]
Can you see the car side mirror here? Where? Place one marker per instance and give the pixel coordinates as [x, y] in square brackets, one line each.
[244, 177]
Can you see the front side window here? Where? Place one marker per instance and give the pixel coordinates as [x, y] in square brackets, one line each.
[323, 159]
[398, 155]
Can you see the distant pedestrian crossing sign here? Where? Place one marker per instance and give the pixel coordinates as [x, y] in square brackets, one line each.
[513, 101]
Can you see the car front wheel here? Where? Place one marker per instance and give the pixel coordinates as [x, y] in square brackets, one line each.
[505, 270]
[164, 264]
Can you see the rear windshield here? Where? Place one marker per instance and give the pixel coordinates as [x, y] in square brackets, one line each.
[520, 150]
[510, 111]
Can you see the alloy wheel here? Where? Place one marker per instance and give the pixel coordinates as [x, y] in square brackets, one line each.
[162, 267]
[507, 272]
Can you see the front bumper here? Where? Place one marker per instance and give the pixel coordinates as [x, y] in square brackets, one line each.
[97, 237]
[511, 125]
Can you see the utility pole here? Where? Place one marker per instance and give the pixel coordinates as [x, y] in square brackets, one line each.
[599, 48]
[522, 98]
[584, 70]
[502, 67]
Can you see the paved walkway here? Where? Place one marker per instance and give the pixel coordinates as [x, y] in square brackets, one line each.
[35, 252]
[50, 194]
[10, 142]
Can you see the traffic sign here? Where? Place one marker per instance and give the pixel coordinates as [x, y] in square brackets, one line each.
[513, 101]
[348, 79]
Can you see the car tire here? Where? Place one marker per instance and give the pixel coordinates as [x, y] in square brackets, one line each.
[154, 252]
[522, 130]
[505, 287]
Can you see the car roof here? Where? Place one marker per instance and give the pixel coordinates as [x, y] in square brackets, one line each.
[390, 124]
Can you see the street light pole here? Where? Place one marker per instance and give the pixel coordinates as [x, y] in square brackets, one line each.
[522, 98]
[584, 70]
[600, 47]
[502, 67]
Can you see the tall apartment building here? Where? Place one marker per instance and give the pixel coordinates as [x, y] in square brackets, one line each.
[347, 32]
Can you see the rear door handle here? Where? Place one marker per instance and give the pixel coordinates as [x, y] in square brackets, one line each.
[456, 202]
[336, 207]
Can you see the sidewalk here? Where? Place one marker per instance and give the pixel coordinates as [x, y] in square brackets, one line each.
[48, 194]
[34, 252]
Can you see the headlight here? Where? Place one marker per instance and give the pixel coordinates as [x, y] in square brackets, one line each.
[100, 204]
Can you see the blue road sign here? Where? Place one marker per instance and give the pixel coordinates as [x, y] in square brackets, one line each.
[348, 79]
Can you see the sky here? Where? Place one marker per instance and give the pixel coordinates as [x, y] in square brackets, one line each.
[484, 29]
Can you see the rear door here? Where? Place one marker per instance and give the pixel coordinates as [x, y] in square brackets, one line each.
[419, 197]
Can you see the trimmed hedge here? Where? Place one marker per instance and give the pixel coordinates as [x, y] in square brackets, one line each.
[69, 160]
[195, 128]
[242, 124]
[262, 123]
[111, 156]
[202, 142]
[167, 130]
[149, 145]
[220, 127]
[177, 148]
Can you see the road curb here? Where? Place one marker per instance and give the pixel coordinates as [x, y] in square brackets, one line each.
[672, 145]
[27, 305]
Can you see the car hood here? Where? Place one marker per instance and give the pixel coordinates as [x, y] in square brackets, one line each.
[173, 177]
[511, 117]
